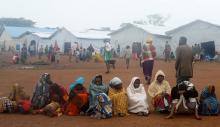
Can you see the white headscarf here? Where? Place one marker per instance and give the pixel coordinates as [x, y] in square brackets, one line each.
[131, 86]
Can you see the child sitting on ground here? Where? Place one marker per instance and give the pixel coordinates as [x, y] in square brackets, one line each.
[15, 59]
[24, 105]
[52, 109]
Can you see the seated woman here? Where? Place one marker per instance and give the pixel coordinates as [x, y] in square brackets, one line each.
[60, 91]
[41, 95]
[137, 98]
[118, 97]
[208, 102]
[78, 101]
[184, 99]
[96, 87]
[160, 90]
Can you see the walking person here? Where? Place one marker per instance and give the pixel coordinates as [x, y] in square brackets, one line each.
[167, 51]
[127, 56]
[148, 54]
[108, 56]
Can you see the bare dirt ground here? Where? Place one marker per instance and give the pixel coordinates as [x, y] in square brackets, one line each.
[65, 73]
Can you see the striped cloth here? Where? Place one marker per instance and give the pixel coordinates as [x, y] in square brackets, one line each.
[6, 105]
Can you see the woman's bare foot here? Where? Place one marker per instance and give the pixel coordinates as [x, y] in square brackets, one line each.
[197, 117]
[139, 113]
[145, 114]
[169, 117]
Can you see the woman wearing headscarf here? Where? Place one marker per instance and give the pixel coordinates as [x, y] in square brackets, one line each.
[208, 102]
[137, 98]
[41, 96]
[148, 56]
[160, 91]
[118, 97]
[96, 87]
[78, 101]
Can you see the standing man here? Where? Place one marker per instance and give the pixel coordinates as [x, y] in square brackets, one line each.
[127, 55]
[107, 56]
[24, 54]
[184, 61]
[167, 51]
[148, 54]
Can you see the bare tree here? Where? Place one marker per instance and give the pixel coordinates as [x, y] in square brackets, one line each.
[153, 19]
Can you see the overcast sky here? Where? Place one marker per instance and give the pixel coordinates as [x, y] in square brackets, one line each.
[81, 14]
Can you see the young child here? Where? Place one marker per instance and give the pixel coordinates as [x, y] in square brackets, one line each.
[15, 59]
[24, 105]
[103, 108]
[52, 109]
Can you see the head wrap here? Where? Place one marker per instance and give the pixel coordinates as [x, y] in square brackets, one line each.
[115, 81]
[149, 40]
[78, 81]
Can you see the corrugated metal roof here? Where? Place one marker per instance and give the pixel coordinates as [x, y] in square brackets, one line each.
[190, 24]
[18, 31]
[93, 34]
[157, 30]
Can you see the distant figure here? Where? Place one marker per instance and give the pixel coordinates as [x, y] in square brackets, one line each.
[90, 50]
[24, 54]
[167, 51]
[57, 56]
[118, 50]
[32, 50]
[149, 53]
[77, 55]
[70, 54]
[127, 56]
[15, 59]
[172, 57]
[46, 50]
[107, 56]
[134, 51]
[184, 60]
[50, 52]
[41, 52]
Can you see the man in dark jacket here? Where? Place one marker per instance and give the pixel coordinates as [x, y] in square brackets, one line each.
[184, 60]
